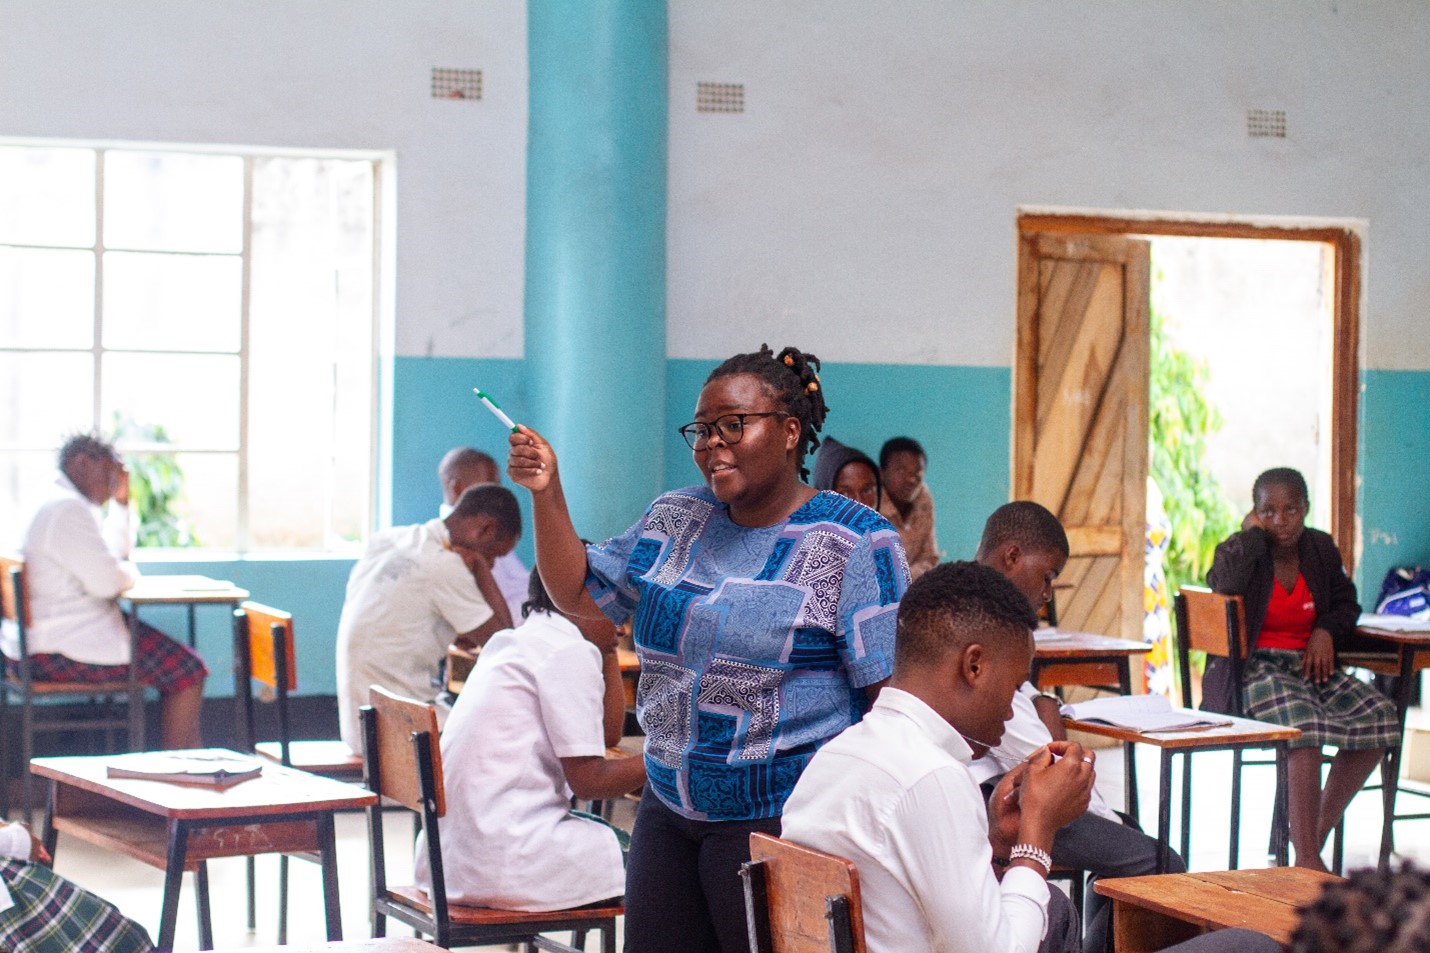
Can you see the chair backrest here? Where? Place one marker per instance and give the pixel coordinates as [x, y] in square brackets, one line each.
[391, 750]
[1213, 623]
[270, 646]
[263, 651]
[801, 900]
[12, 590]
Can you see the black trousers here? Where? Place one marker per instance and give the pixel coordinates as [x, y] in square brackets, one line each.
[683, 889]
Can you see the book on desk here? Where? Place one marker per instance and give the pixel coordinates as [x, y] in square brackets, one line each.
[1145, 713]
[202, 767]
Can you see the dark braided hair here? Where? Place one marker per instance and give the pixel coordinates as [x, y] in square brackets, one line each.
[1372, 911]
[793, 375]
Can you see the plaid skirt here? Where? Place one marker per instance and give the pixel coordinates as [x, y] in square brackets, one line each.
[52, 915]
[164, 664]
[1342, 711]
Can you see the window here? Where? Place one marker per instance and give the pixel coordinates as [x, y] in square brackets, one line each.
[214, 311]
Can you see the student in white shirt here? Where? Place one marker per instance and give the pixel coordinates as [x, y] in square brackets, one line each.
[1025, 542]
[938, 870]
[460, 468]
[75, 568]
[529, 730]
[415, 591]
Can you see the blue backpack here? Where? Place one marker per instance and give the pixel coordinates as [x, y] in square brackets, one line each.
[1406, 591]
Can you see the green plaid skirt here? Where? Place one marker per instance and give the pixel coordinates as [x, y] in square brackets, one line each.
[1342, 711]
[52, 915]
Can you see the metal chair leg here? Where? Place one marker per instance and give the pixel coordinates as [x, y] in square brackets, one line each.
[252, 903]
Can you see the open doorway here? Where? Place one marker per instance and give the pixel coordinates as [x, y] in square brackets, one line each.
[1067, 266]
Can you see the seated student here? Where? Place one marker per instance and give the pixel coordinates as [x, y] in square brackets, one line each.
[907, 501]
[416, 590]
[529, 730]
[460, 468]
[848, 472]
[75, 567]
[1300, 610]
[1026, 543]
[41, 912]
[937, 869]
[1371, 911]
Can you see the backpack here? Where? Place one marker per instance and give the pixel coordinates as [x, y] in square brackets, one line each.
[1406, 591]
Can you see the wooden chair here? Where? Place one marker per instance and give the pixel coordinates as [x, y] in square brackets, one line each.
[117, 705]
[1214, 623]
[404, 764]
[801, 900]
[263, 653]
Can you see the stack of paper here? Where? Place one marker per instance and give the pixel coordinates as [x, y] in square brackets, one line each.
[1146, 713]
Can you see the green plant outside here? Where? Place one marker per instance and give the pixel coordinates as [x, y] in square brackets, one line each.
[156, 484]
[1180, 419]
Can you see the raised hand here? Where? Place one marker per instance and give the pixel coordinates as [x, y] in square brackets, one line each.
[531, 462]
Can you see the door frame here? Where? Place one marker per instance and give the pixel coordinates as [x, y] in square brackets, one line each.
[1345, 243]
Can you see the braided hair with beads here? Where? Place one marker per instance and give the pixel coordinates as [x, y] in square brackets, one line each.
[1371, 911]
[793, 376]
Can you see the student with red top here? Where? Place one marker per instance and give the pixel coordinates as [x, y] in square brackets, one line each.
[1300, 610]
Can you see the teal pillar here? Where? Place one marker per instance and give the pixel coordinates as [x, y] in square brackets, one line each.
[595, 250]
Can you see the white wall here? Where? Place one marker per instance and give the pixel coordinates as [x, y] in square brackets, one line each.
[864, 204]
[314, 74]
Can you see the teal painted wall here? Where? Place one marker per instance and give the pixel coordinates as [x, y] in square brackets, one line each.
[1395, 470]
[959, 414]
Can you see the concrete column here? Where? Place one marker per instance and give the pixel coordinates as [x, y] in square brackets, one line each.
[595, 250]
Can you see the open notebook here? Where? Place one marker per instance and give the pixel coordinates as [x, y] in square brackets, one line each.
[1146, 713]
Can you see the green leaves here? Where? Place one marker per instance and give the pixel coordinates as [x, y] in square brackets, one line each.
[1180, 418]
[156, 483]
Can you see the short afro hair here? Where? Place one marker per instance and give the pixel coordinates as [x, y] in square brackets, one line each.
[490, 499]
[1031, 525]
[900, 445]
[89, 444]
[1371, 911]
[1280, 476]
[954, 604]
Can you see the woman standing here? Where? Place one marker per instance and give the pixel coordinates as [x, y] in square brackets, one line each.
[764, 618]
[1300, 608]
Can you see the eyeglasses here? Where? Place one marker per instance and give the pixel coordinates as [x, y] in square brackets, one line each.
[730, 427]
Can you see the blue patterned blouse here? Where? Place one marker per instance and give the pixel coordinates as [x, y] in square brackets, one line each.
[754, 643]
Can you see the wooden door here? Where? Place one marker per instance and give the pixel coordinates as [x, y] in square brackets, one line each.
[1080, 415]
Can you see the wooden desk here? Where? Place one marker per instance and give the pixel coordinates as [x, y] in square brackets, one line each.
[1083, 658]
[1152, 913]
[1241, 733]
[1411, 655]
[460, 663]
[177, 828]
[191, 591]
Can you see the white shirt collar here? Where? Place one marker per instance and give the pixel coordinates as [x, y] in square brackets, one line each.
[901, 703]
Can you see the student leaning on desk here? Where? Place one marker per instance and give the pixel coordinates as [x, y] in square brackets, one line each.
[76, 565]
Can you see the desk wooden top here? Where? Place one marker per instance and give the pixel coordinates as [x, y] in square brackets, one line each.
[1074, 645]
[1260, 900]
[1419, 638]
[1241, 730]
[155, 590]
[278, 790]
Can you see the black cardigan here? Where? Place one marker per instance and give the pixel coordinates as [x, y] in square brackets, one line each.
[1243, 566]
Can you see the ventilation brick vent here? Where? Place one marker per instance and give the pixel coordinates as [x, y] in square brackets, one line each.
[456, 83]
[719, 97]
[1266, 123]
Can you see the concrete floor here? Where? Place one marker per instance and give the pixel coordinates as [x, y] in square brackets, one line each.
[136, 888]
